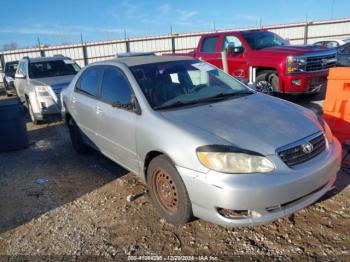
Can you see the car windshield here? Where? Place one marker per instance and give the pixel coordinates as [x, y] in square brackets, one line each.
[188, 82]
[263, 39]
[53, 68]
[11, 68]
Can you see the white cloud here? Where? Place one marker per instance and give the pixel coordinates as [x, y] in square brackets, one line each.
[247, 17]
[186, 14]
[38, 29]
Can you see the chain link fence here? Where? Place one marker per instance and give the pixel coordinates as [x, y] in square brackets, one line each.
[85, 53]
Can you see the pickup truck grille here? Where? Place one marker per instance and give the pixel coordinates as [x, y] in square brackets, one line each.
[322, 62]
[297, 154]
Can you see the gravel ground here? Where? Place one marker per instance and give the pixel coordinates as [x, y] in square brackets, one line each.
[82, 211]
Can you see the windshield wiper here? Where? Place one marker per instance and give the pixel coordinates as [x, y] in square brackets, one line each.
[175, 104]
[204, 100]
[224, 95]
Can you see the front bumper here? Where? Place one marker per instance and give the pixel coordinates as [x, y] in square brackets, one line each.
[309, 82]
[265, 197]
[48, 117]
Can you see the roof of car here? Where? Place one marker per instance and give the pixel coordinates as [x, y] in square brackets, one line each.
[148, 59]
[11, 62]
[42, 59]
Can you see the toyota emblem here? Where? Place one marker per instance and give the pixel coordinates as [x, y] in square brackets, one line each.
[307, 148]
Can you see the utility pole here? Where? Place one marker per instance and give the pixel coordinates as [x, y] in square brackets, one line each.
[306, 29]
[260, 23]
[42, 52]
[172, 39]
[214, 26]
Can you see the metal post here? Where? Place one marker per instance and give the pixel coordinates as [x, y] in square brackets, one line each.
[85, 55]
[224, 61]
[306, 33]
[173, 44]
[250, 76]
[2, 61]
[127, 45]
[42, 52]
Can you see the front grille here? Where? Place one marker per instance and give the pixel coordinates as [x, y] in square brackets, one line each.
[316, 63]
[296, 154]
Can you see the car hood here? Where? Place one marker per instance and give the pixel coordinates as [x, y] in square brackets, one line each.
[256, 122]
[292, 50]
[56, 83]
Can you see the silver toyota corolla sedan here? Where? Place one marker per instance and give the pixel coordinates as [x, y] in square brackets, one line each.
[207, 145]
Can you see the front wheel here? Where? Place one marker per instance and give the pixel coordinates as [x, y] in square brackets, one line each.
[267, 83]
[168, 192]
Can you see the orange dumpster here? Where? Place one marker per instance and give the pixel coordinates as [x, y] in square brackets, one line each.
[336, 107]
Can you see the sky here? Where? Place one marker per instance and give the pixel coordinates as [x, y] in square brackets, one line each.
[64, 21]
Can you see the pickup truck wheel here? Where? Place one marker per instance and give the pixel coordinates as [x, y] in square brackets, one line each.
[267, 83]
[77, 141]
[168, 192]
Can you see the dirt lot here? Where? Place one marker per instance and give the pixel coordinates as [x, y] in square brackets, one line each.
[82, 212]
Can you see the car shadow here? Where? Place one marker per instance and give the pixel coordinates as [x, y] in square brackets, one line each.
[47, 175]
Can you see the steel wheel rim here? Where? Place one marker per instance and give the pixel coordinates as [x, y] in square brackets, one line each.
[264, 87]
[166, 190]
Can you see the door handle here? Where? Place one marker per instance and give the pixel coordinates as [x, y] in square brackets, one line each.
[98, 110]
[74, 100]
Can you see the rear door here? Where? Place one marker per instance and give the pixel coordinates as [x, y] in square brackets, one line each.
[210, 51]
[116, 119]
[84, 102]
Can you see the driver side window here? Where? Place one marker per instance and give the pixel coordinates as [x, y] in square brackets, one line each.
[115, 87]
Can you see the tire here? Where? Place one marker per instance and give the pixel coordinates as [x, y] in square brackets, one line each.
[267, 83]
[31, 114]
[77, 141]
[168, 192]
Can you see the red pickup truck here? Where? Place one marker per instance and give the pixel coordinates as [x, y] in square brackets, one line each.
[279, 67]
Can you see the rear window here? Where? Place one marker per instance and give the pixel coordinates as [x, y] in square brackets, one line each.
[209, 44]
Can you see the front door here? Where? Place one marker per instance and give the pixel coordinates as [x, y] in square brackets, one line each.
[116, 119]
[20, 83]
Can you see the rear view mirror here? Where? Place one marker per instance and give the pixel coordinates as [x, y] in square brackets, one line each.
[20, 75]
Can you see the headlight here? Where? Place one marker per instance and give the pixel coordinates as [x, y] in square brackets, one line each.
[232, 160]
[327, 131]
[42, 91]
[296, 64]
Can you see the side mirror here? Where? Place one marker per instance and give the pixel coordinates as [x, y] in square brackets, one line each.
[20, 75]
[232, 49]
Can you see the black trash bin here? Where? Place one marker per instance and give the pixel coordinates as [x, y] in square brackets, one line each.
[13, 129]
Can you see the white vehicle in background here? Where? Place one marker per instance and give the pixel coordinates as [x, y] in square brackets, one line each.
[39, 82]
[332, 42]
